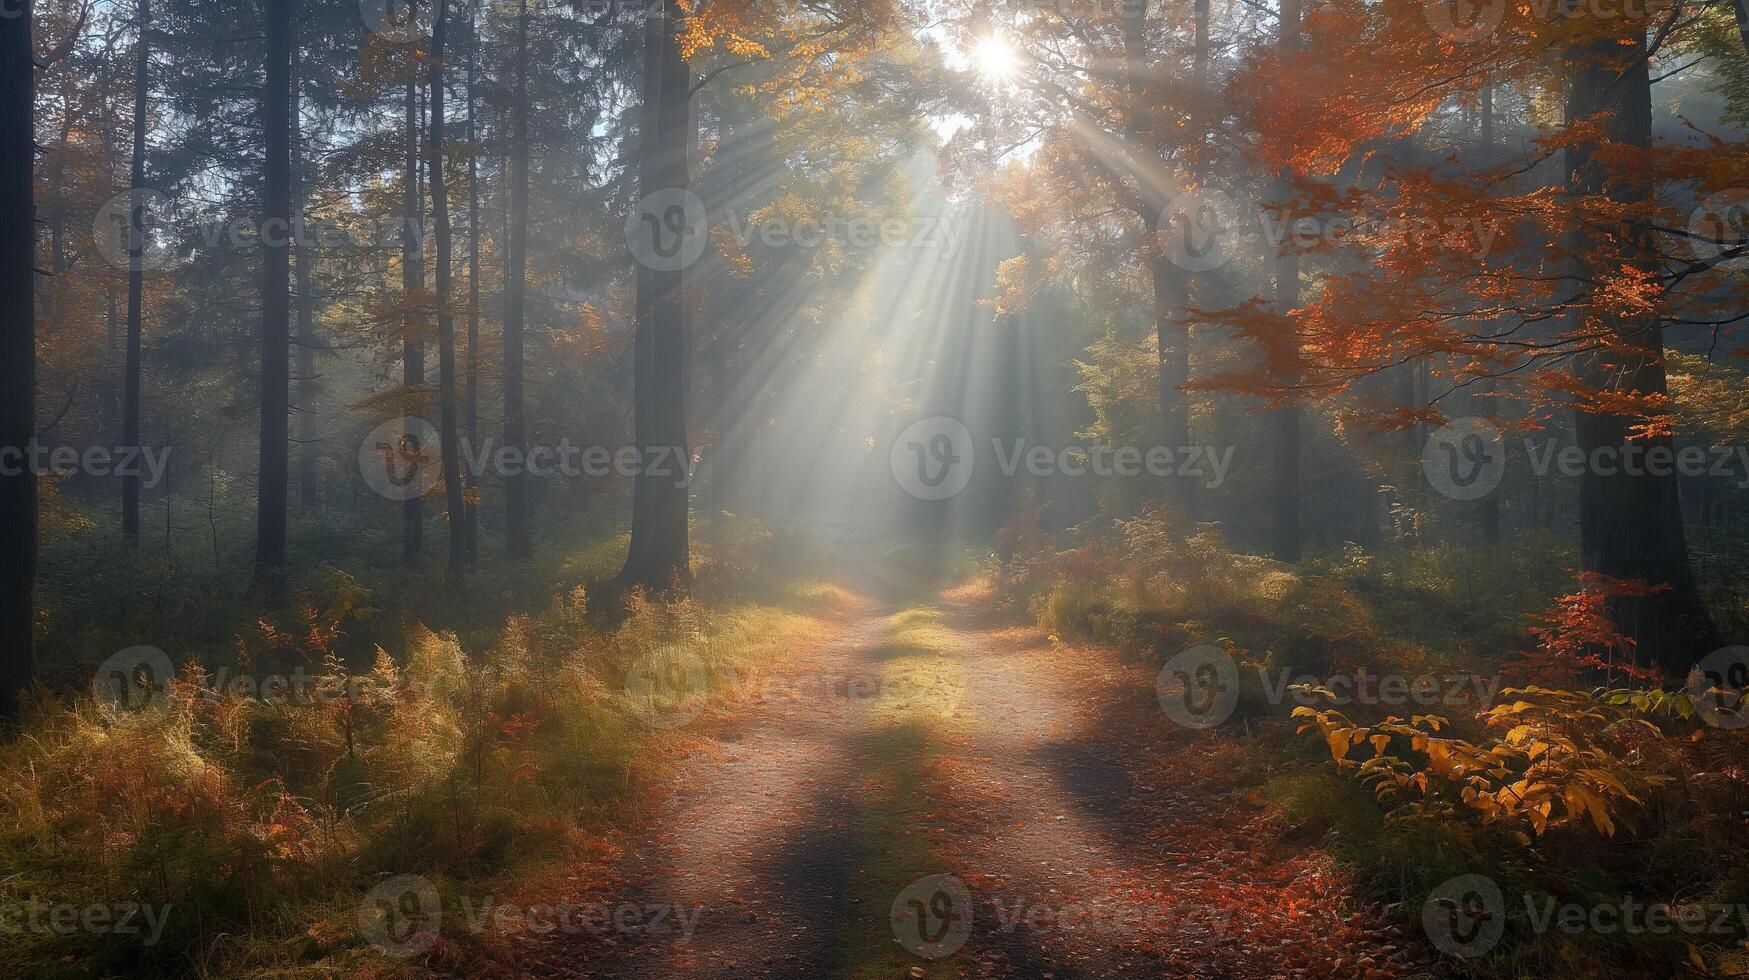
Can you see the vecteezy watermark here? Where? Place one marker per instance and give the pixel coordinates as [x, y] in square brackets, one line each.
[1199, 688]
[934, 459]
[11, 9]
[1464, 21]
[144, 463]
[43, 917]
[146, 231]
[1466, 460]
[932, 917]
[403, 916]
[668, 687]
[401, 460]
[945, 233]
[668, 230]
[131, 231]
[1720, 225]
[1110, 918]
[1202, 231]
[1469, 21]
[1718, 685]
[1123, 8]
[143, 679]
[1466, 917]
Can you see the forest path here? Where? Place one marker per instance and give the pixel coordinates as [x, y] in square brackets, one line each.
[941, 793]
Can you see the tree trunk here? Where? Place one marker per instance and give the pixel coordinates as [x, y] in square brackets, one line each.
[1171, 284]
[307, 342]
[660, 552]
[470, 505]
[448, 427]
[412, 282]
[518, 541]
[130, 480]
[17, 361]
[1490, 505]
[1630, 524]
[270, 535]
[1285, 421]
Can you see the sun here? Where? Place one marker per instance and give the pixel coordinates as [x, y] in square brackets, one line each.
[995, 59]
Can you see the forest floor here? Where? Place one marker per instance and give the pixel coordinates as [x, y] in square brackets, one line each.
[939, 792]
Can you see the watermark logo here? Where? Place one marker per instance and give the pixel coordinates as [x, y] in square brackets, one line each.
[1465, 460]
[134, 680]
[933, 458]
[1199, 687]
[1198, 230]
[1721, 224]
[398, 459]
[946, 233]
[1716, 687]
[668, 230]
[1464, 21]
[1465, 916]
[932, 917]
[668, 686]
[401, 916]
[41, 917]
[130, 230]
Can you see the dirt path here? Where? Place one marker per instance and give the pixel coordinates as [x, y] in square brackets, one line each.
[937, 794]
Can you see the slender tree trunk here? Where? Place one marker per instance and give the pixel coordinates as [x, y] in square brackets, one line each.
[1171, 284]
[448, 428]
[1285, 421]
[518, 542]
[660, 551]
[1490, 505]
[1630, 523]
[17, 361]
[307, 341]
[270, 538]
[470, 506]
[412, 282]
[130, 481]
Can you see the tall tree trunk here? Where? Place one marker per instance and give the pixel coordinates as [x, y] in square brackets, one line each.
[1630, 524]
[17, 361]
[448, 427]
[660, 551]
[470, 506]
[1171, 284]
[270, 534]
[1490, 505]
[130, 437]
[412, 281]
[1285, 421]
[518, 540]
[301, 261]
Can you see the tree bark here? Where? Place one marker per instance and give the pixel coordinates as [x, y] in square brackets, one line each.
[1285, 421]
[470, 506]
[307, 342]
[448, 427]
[17, 361]
[1630, 523]
[659, 556]
[412, 281]
[130, 480]
[270, 535]
[518, 539]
